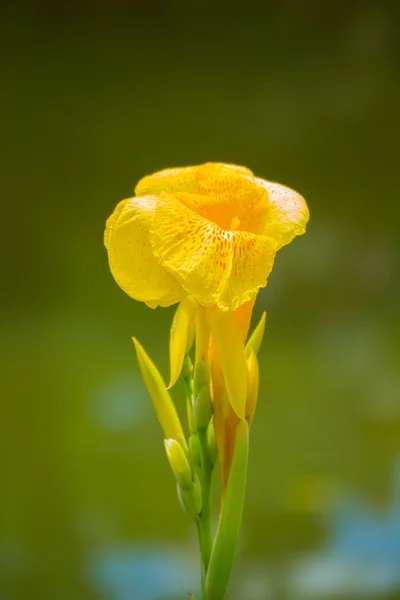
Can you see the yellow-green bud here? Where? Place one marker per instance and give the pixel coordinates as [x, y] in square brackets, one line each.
[194, 449]
[190, 499]
[212, 443]
[179, 463]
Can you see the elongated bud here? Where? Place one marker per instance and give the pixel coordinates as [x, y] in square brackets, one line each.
[212, 443]
[182, 334]
[252, 386]
[229, 346]
[165, 409]
[254, 341]
[194, 449]
[190, 500]
[179, 463]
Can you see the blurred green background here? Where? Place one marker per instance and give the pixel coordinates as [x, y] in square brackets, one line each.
[94, 95]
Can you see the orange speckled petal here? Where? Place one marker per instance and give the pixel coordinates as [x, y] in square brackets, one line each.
[237, 197]
[196, 251]
[180, 179]
[288, 214]
[253, 259]
[131, 259]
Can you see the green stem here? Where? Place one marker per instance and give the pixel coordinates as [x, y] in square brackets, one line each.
[226, 539]
[204, 520]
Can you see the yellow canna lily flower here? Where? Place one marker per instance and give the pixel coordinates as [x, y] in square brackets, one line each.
[209, 231]
[205, 237]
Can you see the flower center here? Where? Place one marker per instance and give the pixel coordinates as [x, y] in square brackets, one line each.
[235, 224]
[232, 213]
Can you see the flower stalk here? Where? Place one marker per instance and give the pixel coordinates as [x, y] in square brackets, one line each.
[205, 237]
[204, 519]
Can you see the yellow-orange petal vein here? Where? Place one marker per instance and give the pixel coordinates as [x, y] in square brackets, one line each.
[193, 249]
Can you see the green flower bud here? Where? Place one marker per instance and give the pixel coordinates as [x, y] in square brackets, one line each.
[190, 499]
[212, 443]
[179, 463]
[194, 449]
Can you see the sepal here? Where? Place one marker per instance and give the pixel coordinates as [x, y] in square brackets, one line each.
[182, 336]
[190, 500]
[254, 341]
[212, 443]
[162, 401]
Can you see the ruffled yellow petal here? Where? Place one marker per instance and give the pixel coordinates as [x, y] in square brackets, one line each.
[131, 259]
[252, 261]
[232, 198]
[288, 215]
[180, 179]
[193, 249]
[215, 266]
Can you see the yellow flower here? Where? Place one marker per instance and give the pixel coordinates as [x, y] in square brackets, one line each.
[209, 231]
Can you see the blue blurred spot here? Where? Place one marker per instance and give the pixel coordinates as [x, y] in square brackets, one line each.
[121, 403]
[361, 555]
[142, 572]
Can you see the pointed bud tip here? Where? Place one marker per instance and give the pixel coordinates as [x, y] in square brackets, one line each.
[164, 407]
[255, 339]
[178, 462]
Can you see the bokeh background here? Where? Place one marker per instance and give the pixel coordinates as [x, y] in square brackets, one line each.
[94, 95]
